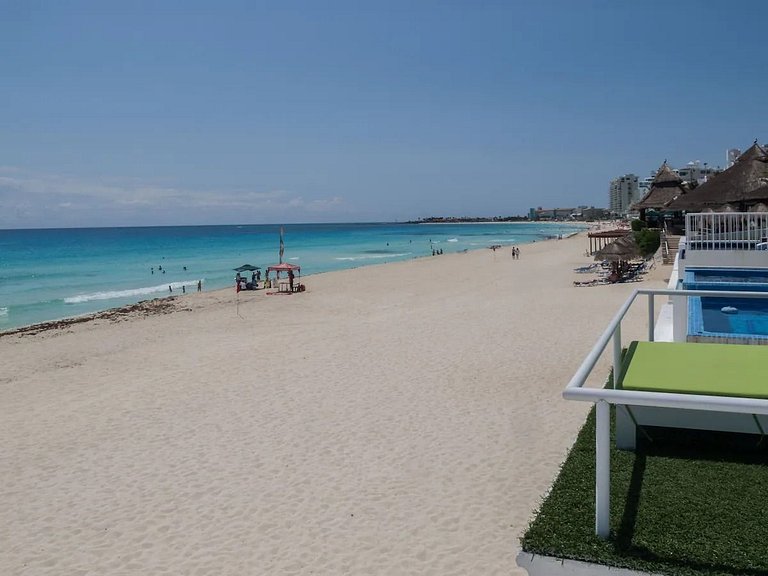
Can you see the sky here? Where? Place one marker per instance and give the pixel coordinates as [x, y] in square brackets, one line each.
[191, 113]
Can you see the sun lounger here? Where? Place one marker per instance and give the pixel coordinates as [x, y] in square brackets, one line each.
[732, 370]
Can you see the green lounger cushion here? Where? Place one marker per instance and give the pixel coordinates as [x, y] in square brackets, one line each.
[738, 370]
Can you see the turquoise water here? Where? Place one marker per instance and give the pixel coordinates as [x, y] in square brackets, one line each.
[749, 319]
[58, 273]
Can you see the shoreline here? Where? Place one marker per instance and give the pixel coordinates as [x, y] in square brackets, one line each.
[155, 305]
[398, 418]
[163, 305]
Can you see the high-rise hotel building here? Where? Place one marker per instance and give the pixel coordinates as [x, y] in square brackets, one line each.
[623, 193]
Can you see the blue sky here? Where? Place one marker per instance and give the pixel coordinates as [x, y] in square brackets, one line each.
[152, 113]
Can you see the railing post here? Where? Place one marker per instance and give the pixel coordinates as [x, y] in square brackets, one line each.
[603, 470]
[616, 354]
[650, 318]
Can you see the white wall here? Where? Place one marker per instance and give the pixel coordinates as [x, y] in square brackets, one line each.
[726, 258]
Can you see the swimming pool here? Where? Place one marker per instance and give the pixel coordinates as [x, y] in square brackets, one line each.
[725, 278]
[728, 320]
[744, 321]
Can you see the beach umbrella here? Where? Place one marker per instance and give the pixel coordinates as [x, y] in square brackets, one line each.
[246, 268]
[625, 248]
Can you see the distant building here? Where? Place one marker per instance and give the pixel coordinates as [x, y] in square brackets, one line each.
[696, 171]
[624, 191]
[732, 154]
[551, 213]
[644, 185]
[592, 213]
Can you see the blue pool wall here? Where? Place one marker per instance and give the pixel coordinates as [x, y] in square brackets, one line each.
[752, 280]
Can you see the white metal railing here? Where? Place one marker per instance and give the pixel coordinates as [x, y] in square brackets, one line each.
[603, 397]
[726, 230]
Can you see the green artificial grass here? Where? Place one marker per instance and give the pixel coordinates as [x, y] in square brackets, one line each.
[686, 503]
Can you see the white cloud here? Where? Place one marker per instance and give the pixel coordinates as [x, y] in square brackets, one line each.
[39, 199]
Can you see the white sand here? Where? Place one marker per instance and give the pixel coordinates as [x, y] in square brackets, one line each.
[398, 419]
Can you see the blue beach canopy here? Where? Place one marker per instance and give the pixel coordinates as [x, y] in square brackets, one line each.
[246, 268]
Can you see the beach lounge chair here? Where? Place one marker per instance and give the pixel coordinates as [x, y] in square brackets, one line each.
[703, 369]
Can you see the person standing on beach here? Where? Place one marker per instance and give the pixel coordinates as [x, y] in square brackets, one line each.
[199, 285]
[169, 288]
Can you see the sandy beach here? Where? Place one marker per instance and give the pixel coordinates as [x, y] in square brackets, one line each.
[397, 419]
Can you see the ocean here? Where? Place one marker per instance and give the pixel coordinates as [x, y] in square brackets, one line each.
[49, 274]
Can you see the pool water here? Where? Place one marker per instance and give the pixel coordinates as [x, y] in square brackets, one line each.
[751, 316]
[748, 324]
[749, 275]
[725, 279]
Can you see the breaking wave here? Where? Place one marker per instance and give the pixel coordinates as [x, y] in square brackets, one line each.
[131, 293]
[373, 256]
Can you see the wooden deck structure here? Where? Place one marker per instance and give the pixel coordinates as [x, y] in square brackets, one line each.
[599, 240]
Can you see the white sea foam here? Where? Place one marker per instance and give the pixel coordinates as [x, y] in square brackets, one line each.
[452, 240]
[3, 311]
[294, 258]
[131, 293]
[372, 256]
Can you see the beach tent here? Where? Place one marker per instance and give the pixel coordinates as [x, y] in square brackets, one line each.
[246, 268]
[285, 267]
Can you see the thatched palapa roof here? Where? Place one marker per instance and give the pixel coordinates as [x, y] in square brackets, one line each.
[666, 186]
[615, 233]
[625, 248]
[742, 185]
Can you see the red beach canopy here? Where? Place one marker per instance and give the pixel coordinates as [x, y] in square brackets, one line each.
[284, 267]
